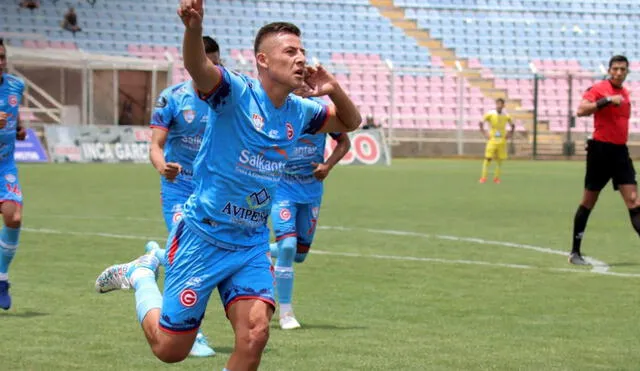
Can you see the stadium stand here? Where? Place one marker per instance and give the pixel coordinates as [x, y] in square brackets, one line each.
[359, 38]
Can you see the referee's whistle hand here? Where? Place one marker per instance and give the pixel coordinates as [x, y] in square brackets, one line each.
[617, 99]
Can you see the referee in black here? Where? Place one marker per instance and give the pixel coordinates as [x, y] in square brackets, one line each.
[607, 153]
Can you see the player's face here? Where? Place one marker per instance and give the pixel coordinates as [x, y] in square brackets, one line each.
[499, 106]
[3, 59]
[214, 58]
[618, 72]
[285, 59]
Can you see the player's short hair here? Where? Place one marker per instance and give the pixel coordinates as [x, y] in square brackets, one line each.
[617, 59]
[501, 100]
[210, 45]
[1, 41]
[274, 28]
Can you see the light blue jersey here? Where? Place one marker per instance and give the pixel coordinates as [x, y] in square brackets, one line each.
[242, 159]
[298, 183]
[11, 90]
[184, 115]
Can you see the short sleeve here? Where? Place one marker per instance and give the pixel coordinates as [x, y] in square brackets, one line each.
[315, 115]
[226, 93]
[486, 117]
[592, 94]
[162, 111]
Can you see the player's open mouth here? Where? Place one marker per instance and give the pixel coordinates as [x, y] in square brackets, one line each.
[299, 73]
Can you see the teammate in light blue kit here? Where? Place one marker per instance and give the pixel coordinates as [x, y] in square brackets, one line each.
[177, 125]
[223, 238]
[11, 89]
[296, 209]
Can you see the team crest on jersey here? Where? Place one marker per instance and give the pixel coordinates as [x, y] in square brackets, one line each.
[285, 214]
[188, 298]
[189, 115]
[10, 178]
[258, 122]
[290, 132]
[13, 100]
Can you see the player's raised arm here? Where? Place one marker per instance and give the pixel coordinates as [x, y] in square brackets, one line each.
[206, 76]
[343, 116]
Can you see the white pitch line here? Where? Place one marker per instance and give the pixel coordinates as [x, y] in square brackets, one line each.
[597, 265]
[355, 255]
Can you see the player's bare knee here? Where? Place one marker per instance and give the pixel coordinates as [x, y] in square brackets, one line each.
[255, 338]
[13, 220]
[169, 353]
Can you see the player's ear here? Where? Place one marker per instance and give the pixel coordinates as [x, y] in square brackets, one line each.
[262, 60]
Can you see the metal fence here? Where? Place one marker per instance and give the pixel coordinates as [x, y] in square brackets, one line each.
[444, 106]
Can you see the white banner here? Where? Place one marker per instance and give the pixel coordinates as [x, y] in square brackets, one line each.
[368, 147]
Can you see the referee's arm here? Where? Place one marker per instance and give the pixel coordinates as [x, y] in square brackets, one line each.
[587, 108]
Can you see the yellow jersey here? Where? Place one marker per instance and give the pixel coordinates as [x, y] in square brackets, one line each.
[497, 124]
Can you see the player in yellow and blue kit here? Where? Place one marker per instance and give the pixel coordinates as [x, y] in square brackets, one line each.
[296, 209]
[497, 137]
[223, 239]
[11, 90]
[177, 125]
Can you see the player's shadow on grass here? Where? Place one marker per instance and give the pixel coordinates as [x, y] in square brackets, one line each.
[25, 314]
[321, 326]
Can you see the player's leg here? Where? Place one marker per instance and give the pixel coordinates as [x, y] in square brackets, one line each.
[598, 173]
[172, 213]
[283, 218]
[306, 223]
[488, 155]
[501, 156]
[11, 208]
[624, 180]
[273, 248]
[249, 302]
[170, 322]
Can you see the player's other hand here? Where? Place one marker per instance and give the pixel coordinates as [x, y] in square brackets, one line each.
[319, 81]
[21, 133]
[171, 170]
[617, 99]
[3, 119]
[321, 171]
[191, 12]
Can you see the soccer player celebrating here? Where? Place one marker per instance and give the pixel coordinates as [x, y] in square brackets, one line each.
[607, 153]
[11, 90]
[296, 209]
[177, 125]
[223, 239]
[496, 139]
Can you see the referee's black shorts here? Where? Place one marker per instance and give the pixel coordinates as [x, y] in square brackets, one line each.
[608, 161]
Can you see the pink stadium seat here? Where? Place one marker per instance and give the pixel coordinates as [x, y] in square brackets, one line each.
[30, 44]
[133, 49]
[337, 57]
[69, 45]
